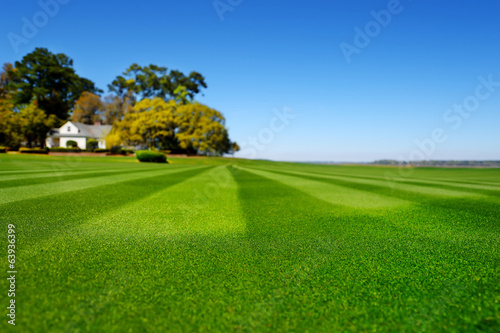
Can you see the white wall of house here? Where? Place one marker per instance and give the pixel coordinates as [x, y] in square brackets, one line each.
[52, 142]
[68, 129]
[82, 142]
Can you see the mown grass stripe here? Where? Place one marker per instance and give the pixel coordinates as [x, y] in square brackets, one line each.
[60, 177]
[48, 173]
[455, 176]
[204, 204]
[34, 191]
[46, 217]
[386, 183]
[393, 179]
[474, 203]
[332, 193]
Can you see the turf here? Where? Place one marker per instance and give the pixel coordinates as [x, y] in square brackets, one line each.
[218, 245]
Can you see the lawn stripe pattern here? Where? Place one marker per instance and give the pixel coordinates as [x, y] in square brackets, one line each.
[233, 245]
[33, 191]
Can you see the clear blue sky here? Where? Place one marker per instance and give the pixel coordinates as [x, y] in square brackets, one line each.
[270, 55]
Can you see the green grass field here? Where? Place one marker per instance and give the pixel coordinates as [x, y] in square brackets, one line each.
[111, 245]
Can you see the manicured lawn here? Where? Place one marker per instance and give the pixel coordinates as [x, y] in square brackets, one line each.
[112, 245]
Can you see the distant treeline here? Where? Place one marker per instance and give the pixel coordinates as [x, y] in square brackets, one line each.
[464, 164]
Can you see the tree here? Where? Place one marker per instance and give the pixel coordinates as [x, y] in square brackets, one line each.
[10, 125]
[150, 122]
[116, 107]
[49, 79]
[195, 128]
[234, 148]
[88, 109]
[5, 79]
[202, 129]
[153, 81]
[35, 124]
[9, 122]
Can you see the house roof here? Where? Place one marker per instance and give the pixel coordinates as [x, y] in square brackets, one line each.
[88, 131]
[99, 131]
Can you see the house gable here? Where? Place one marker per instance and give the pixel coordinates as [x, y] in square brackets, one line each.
[69, 129]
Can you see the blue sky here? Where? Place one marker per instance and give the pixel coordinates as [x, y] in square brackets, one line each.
[268, 56]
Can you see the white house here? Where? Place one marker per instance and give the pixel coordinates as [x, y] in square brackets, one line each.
[78, 132]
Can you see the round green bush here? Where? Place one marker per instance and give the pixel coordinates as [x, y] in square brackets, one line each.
[92, 144]
[151, 156]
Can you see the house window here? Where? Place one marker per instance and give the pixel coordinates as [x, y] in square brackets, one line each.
[69, 128]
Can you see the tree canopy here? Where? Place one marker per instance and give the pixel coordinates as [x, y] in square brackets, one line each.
[35, 124]
[155, 81]
[50, 79]
[193, 128]
[88, 109]
[149, 106]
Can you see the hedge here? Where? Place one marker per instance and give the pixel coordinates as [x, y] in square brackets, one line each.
[120, 151]
[92, 144]
[151, 156]
[101, 150]
[65, 150]
[33, 151]
[3, 150]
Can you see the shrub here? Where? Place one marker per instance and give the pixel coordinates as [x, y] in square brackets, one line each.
[65, 150]
[3, 150]
[101, 150]
[151, 156]
[116, 150]
[71, 144]
[92, 145]
[33, 151]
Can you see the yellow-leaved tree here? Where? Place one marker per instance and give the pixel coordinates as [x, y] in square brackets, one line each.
[177, 126]
[149, 122]
[35, 124]
[202, 129]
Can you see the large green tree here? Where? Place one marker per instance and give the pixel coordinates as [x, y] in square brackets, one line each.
[202, 129]
[51, 80]
[155, 81]
[35, 124]
[150, 122]
[191, 128]
[10, 125]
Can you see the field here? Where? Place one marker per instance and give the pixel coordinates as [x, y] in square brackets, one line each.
[112, 245]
